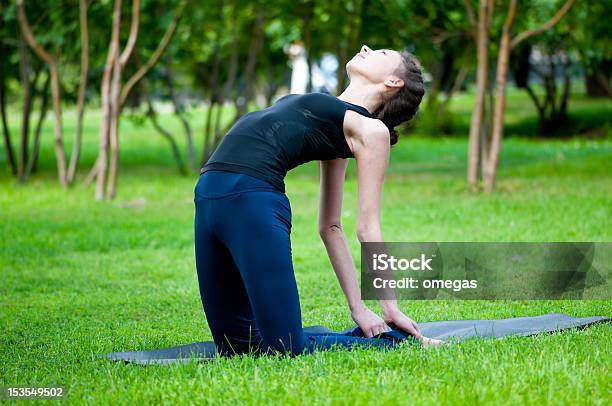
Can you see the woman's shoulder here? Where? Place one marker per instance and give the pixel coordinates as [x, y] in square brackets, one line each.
[365, 133]
[358, 125]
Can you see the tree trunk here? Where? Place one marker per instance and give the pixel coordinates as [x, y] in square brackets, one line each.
[212, 86]
[178, 110]
[161, 47]
[487, 125]
[341, 57]
[227, 88]
[484, 9]
[76, 148]
[567, 84]
[597, 84]
[55, 90]
[114, 129]
[457, 84]
[151, 113]
[255, 47]
[113, 53]
[506, 46]
[24, 68]
[115, 100]
[348, 41]
[33, 161]
[307, 32]
[57, 110]
[500, 100]
[271, 84]
[10, 153]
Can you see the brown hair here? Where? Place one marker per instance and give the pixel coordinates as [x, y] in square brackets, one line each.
[404, 104]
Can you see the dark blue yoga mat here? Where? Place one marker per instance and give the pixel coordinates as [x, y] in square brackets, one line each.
[453, 330]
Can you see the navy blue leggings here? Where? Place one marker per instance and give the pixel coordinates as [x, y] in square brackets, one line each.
[245, 270]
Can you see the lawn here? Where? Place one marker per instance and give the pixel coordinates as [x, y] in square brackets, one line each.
[82, 277]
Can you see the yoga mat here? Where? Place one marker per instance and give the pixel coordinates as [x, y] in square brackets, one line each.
[454, 330]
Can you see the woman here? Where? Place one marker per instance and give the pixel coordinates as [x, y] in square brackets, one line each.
[243, 216]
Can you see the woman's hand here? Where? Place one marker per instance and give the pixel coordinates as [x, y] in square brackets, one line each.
[369, 322]
[404, 323]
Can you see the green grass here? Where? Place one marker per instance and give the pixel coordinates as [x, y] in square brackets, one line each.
[81, 278]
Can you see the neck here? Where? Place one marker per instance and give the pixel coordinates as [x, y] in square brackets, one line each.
[361, 95]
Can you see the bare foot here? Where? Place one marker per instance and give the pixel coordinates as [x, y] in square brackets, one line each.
[432, 342]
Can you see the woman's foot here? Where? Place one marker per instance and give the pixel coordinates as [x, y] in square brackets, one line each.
[432, 342]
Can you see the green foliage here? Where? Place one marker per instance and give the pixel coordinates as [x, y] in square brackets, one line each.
[433, 123]
[590, 33]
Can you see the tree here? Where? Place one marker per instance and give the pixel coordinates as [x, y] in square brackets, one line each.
[507, 44]
[113, 96]
[51, 62]
[76, 149]
[485, 14]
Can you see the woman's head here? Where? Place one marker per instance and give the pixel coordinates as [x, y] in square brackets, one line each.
[398, 76]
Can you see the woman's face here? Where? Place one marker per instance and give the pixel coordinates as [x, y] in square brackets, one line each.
[376, 66]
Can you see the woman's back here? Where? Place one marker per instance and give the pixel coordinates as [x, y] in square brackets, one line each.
[298, 128]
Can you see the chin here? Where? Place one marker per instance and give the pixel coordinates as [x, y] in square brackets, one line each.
[352, 69]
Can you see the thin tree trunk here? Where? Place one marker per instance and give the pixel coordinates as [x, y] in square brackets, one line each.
[10, 153]
[433, 93]
[161, 47]
[24, 68]
[536, 101]
[484, 11]
[487, 126]
[500, 100]
[307, 17]
[216, 94]
[212, 85]
[604, 82]
[152, 114]
[553, 86]
[92, 174]
[115, 99]
[178, 110]
[59, 145]
[113, 53]
[567, 84]
[76, 148]
[217, 126]
[483, 148]
[272, 84]
[114, 129]
[207, 128]
[506, 46]
[459, 80]
[117, 95]
[228, 86]
[33, 161]
[255, 47]
[355, 28]
[342, 49]
[30, 90]
[340, 73]
[55, 90]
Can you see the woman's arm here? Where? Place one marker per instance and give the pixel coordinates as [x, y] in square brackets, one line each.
[372, 162]
[332, 174]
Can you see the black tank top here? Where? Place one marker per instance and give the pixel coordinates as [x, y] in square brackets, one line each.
[296, 129]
